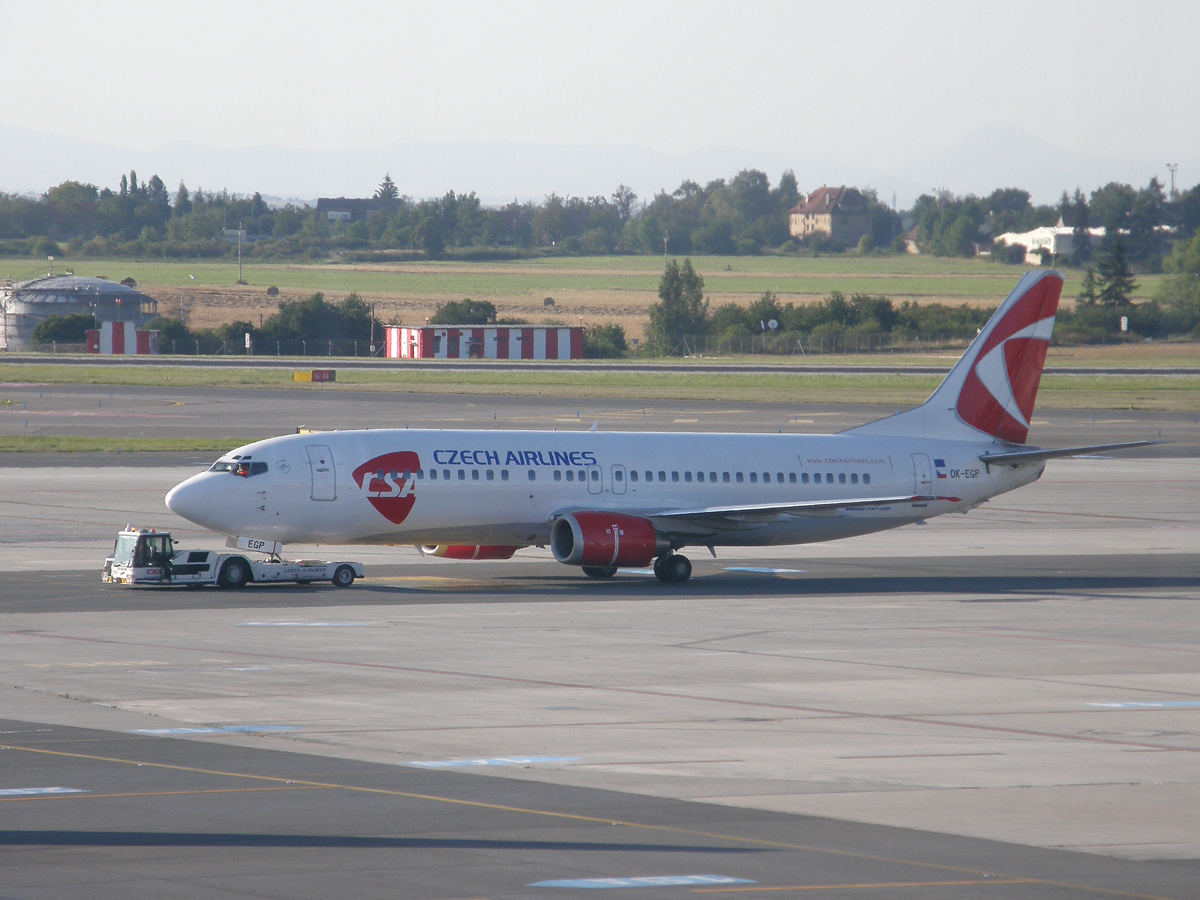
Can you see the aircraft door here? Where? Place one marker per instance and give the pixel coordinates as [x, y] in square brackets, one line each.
[324, 478]
[922, 475]
[595, 480]
[618, 479]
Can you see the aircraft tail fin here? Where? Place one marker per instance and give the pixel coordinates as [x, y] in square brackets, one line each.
[991, 390]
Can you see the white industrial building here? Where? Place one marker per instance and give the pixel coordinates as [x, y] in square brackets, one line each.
[1057, 240]
[27, 303]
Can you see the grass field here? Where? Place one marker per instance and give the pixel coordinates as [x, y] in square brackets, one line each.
[595, 289]
[1180, 394]
[54, 444]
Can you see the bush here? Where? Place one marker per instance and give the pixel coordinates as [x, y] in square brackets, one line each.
[45, 247]
[604, 342]
[464, 312]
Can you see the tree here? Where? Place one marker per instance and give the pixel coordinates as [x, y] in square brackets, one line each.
[681, 310]
[625, 200]
[1181, 288]
[1116, 278]
[1087, 296]
[387, 189]
[1081, 237]
[1145, 216]
[183, 201]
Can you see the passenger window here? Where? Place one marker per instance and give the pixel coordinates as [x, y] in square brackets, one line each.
[491, 476]
[725, 477]
[674, 476]
[633, 475]
[406, 475]
[804, 477]
[779, 477]
[446, 474]
[533, 475]
[754, 478]
[712, 476]
[474, 474]
[649, 476]
[841, 477]
[687, 476]
[618, 475]
[739, 477]
[558, 475]
[504, 474]
[829, 478]
[582, 475]
[866, 478]
[570, 475]
[792, 477]
[854, 478]
[433, 474]
[662, 476]
[766, 477]
[420, 474]
[817, 478]
[462, 474]
[595, 474]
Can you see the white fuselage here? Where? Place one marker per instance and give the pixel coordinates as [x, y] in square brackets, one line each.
[506, 487]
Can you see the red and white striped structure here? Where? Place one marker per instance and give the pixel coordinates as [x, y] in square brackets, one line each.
[121, 339]
[485, 342]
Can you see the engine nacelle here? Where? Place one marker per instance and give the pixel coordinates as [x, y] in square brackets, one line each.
[605, 539]
[467, 551]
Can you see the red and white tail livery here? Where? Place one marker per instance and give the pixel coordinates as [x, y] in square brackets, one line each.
[601, 501]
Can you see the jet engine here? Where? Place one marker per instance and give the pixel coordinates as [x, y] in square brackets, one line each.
[605, 540]
[467, 551]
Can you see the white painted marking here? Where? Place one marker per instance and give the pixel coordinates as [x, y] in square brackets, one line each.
[1150, 704]
[230, 729]
[40, 792]
[641, 881]
[763, 571]
[303, 625]
[494, 761]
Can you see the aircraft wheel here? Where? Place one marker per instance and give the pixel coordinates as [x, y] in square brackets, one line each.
[343, 576]
[599, 571]
[234, 574]
[673, 568]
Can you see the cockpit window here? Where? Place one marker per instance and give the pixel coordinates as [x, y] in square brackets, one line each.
[244, 468]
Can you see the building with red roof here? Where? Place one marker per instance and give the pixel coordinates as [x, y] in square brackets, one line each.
[839, 212]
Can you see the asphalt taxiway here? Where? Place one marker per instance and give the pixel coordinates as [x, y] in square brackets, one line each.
[1003, 704]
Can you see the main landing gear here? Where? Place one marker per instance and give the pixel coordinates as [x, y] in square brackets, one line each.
[671, 568]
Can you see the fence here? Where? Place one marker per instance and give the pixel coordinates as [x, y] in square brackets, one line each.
[792, 344]
[202, 347]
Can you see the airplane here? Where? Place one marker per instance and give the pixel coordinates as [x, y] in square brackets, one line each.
[604, 501]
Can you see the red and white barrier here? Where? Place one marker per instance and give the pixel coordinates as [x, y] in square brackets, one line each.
[121, 339]
[484, 342]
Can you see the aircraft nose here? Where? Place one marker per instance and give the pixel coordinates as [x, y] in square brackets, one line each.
[192, 500]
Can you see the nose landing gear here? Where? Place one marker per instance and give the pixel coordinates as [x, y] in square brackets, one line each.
[671, 568]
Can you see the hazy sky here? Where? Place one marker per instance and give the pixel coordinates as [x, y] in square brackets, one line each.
[856, 81]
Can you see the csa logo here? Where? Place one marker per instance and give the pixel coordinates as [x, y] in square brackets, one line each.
[382, 481]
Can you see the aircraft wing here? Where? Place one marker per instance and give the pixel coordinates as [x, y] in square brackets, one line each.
[799, 508]
[1029, 457]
